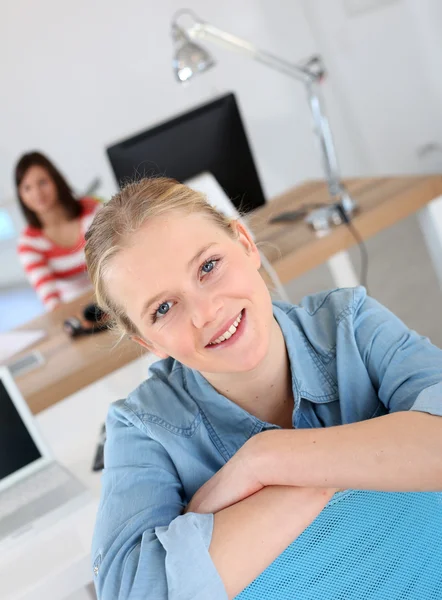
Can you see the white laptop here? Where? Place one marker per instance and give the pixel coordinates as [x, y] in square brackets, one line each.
[207, 184]
[34, 488]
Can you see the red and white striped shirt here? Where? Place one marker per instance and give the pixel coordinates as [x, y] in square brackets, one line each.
[57, 273]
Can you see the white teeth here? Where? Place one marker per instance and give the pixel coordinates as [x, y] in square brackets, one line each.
[228, 334]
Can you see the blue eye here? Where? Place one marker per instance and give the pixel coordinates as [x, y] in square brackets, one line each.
[208, 266]
[206, 269]
[162, 310]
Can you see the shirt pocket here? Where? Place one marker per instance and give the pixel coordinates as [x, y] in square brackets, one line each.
[328, 364]
[318, 413]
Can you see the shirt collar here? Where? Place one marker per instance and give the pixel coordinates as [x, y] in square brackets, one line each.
[310, 377]
[229, 425]
[309, 380]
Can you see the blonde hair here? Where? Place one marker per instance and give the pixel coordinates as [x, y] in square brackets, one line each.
[123, 216]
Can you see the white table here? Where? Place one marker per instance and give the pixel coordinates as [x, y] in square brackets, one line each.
[54, 564]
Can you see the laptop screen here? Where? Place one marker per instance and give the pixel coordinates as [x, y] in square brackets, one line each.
[17, 448]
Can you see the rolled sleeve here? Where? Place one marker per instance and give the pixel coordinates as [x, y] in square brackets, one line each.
[430, 400]
[186, 542]
[143, 547]
[405, 368]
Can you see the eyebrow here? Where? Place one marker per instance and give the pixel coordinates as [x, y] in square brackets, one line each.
[157, 297]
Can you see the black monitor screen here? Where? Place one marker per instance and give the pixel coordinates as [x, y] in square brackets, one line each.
[17, 448]
[209, 138]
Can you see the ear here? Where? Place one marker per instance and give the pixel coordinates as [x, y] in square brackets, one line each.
[245, 238]
[148, 346]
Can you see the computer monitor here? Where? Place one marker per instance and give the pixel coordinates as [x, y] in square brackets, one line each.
[210, 138]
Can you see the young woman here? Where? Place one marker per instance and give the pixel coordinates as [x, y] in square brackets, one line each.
[51, 247]
[261, 422]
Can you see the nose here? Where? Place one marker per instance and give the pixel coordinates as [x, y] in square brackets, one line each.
[206, 310]
[35, 193]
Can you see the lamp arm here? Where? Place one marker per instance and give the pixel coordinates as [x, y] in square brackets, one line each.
[206, 31]
[327, 146]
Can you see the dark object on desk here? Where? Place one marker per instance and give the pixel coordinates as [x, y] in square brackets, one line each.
[210, 138]
[94, 320]
[289, 217]
[94, 314]
[306, 211]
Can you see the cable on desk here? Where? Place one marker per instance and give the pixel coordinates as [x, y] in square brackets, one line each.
[361, 244]
[303, 211]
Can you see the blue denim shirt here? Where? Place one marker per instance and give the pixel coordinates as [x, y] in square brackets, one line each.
[351, 360]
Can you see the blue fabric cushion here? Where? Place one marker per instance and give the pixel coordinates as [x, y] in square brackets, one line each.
[364, 545]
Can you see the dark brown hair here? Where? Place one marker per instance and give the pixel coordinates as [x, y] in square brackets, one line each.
[65, 195]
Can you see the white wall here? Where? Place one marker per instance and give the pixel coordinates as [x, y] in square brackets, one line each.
[81, 75]
[385, 65]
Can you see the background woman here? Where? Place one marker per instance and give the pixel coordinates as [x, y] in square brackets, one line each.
[51, 248]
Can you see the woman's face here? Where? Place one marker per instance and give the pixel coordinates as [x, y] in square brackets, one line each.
[38, 191]
[194, 293]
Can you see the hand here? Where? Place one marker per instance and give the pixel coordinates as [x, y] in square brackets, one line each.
[234, 482]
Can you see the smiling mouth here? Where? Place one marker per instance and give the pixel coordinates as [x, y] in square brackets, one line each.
[229, 333]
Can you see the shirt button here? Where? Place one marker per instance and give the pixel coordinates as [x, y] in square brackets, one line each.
[96, 566]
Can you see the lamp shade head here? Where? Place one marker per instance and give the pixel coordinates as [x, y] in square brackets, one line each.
[190, 58]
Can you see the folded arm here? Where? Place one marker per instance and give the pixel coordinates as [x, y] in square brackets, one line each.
[395, 452]
[145, 548]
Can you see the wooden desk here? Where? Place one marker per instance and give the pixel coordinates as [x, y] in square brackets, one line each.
[292, 249]
[71, 364]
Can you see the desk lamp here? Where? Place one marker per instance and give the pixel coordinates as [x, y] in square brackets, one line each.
[191, 58]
